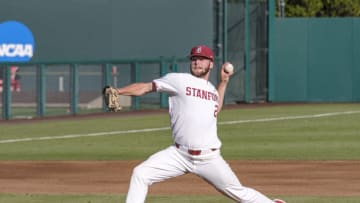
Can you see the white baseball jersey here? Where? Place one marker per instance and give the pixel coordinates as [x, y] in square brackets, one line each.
[193, 106]
[190, 96]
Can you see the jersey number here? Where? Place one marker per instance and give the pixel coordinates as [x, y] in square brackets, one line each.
[216, 110]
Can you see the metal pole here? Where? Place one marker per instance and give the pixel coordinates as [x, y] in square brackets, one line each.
[247, 52]
[271, 82]
[41, 96]
[135, 101]
[6, 93]
[163, 96]
[74, 78]
[282, 8]
[218, 28]
[224, 32]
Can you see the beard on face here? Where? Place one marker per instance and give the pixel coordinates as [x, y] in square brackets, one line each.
[201, 74]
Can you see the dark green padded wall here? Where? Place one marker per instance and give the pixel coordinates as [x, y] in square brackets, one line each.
[112, 29]
[316, 60]
[290, 60]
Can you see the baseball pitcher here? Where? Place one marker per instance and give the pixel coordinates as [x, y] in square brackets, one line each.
[194, 104]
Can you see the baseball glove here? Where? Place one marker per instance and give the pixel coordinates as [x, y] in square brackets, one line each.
[111, 98]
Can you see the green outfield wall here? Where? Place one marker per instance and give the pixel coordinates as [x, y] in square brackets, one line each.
[315, 60]
[79, 47]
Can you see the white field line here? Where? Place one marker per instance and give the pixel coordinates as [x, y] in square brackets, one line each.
[289, 117]
[168, 128]
[83, 135]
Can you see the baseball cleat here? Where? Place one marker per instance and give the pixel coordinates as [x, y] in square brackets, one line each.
[279, 201]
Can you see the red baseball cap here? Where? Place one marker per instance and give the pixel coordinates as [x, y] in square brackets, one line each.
[203, 51]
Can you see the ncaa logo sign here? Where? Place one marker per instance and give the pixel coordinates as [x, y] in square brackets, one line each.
[16, 42]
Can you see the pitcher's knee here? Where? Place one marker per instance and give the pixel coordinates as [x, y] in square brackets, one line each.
[140, 174]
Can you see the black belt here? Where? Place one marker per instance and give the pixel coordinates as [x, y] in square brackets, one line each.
[193, 152]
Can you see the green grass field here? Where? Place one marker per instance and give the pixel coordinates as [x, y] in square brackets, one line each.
[11, 198]
[292, 132]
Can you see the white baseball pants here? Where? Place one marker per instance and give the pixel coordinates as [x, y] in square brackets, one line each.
[172, 162]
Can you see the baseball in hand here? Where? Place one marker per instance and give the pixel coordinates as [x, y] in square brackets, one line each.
[229, 68]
